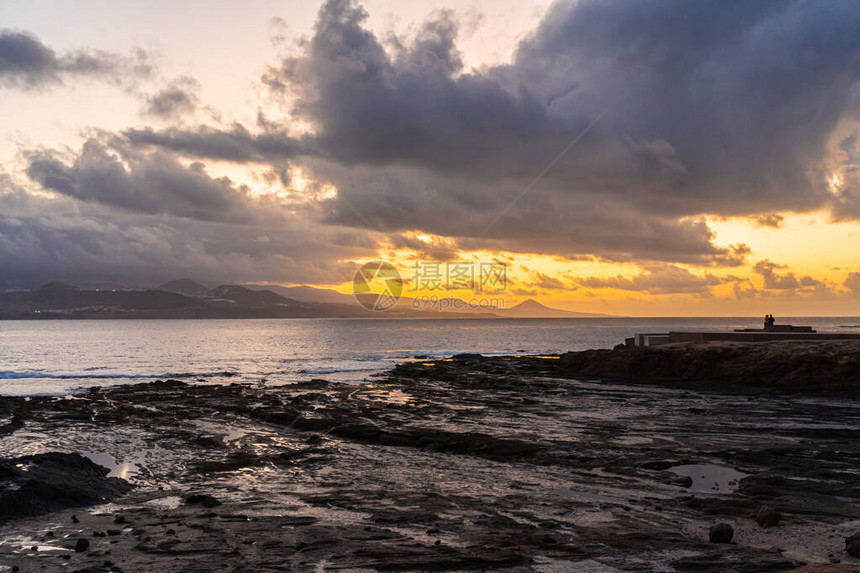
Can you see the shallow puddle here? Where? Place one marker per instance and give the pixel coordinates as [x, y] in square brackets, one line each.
[710, 478]
[121, 470]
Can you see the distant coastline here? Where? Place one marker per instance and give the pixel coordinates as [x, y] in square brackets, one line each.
[186, 299]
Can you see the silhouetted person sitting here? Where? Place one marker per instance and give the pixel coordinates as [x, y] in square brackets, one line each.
[768, 321]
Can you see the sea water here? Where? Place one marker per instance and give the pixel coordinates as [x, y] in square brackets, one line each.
[64, 356]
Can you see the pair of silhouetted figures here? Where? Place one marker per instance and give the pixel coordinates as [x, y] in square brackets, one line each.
[768, 321]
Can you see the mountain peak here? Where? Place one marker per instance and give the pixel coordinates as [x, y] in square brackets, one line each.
[533, 304]
[530, 308]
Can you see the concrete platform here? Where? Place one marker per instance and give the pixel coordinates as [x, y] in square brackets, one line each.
[655, 339]
[778, 328]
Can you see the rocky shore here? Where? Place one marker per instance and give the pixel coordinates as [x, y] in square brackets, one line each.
[809, 367]
[570, 463]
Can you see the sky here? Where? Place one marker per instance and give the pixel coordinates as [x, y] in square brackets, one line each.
[638, 158]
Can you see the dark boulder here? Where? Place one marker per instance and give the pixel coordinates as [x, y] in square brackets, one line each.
[852, 545]
[202, 499]
[721, 533]
[768, 516]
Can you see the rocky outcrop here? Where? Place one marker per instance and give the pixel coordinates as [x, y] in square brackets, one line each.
[818, 367]
[33, 485]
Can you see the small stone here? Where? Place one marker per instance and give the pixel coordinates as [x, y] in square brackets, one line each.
[768, 516]
[721, 533]
[114, 532]
[82, 545]
[171, 532]
[108, 563]
[119, 519]
[683, 481]
[15, 569]
[67, 557]
[75, 519]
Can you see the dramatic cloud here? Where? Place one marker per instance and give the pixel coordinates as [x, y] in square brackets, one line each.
[701, 100]
[615, 127]
[27, 63]
[659, 279]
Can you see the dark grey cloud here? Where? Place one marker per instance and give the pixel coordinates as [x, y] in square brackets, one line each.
[26, 62]
[237, 144]
[176, 99]
[717, 107]
[152, 183]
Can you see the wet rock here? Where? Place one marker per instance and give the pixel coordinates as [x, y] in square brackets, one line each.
[82, 545]
[202, 499]
[42, 483]
[721, 533]
[208, 442]
[233, 462]
[466, 356]
[852, 545]
[768, 516]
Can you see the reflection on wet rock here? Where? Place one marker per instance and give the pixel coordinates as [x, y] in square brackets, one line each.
[476, 463]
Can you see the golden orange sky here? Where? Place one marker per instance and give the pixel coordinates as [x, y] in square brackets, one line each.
[807, 245]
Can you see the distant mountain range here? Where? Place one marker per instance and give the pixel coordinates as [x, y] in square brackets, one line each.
[186, 298]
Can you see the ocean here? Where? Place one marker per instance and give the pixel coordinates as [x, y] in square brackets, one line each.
[63, 357]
